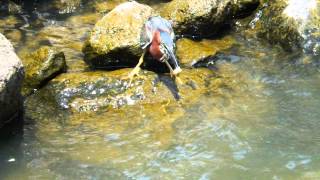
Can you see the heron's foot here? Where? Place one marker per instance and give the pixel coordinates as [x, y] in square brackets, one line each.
[136, 70]
[132, 74]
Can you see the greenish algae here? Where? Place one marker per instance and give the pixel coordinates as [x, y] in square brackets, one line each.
[190, 52]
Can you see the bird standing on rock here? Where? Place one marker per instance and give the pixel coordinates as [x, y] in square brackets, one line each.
[158, 38]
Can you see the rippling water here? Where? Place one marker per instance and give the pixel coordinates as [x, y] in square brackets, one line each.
[263, 125]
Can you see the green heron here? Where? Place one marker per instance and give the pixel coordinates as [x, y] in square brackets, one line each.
[157, 38]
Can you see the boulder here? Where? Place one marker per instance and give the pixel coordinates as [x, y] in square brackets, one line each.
[293, 24]
[101, 90]
[115, 39]
[204, 17]
[41, 66]
[11, 76]
[189, 52]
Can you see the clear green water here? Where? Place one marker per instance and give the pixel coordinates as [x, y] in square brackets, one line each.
[263, 125]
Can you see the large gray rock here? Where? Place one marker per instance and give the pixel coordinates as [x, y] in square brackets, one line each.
[294, 24]
[11, 76]
[115, 39]
[203, 17]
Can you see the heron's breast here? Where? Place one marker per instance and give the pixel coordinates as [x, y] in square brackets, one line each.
[155, 51]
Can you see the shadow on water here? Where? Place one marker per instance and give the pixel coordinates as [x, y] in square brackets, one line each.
[11, 153]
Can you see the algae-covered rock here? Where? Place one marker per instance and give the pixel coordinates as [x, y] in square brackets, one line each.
[203, 17]
[190, 52]
[115, 39]
[41, 66]
[91, 91]
[293, 24]
[11, 76]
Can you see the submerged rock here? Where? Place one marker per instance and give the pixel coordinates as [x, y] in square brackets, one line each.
[190, 52]
[66, 6]
[56, 7]
[41, 66]
[115, 39]
[11, 76]
[203, 17]
[293, 24]
[100, 90]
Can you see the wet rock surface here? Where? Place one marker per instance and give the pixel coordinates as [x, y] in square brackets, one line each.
[11, 76]
[204, 17]
[41, 66]
[293, 24]
[101, 90]
[115, 39]
[189, 52]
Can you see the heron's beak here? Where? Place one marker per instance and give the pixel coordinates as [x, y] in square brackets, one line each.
[174, 64]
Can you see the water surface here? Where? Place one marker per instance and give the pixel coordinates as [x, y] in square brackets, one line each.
[264, 124]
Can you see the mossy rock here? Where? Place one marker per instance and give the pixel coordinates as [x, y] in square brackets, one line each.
[41, 66]
[204, 17]
[105, 90]
[115, 39]
[189, 52]
[295, 25]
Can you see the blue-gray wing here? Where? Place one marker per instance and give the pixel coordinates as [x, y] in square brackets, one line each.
[167, 40]
[163, 25]
[146, 35]
[153, 24]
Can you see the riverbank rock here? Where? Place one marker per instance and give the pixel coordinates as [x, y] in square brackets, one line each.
[41, 66]
[204, 17]
[11, 76]
[115, 39]
[293, 24]
[190, 52]
[101, 90]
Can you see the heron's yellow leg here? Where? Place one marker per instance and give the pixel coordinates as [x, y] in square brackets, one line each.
[174, 74]
[136, 69]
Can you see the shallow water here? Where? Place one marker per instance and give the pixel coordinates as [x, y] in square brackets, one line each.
[263, 124]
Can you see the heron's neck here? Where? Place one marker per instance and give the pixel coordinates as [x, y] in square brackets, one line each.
[155, 46]
[156, 38]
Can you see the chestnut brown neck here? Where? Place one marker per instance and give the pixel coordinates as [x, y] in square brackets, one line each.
[156, 38]
[155, 46]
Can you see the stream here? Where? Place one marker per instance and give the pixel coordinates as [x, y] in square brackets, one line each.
[263, 125]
